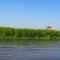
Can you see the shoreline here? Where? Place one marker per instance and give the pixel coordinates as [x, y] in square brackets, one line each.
[7, 33]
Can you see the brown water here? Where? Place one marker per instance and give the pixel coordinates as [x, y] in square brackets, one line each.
[38, 50]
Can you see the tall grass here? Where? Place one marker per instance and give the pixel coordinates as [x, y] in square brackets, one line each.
[8, 33]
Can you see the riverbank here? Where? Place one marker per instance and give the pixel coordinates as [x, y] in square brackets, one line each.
[8, 33]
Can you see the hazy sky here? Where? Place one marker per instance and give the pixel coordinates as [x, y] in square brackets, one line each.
[30, 13]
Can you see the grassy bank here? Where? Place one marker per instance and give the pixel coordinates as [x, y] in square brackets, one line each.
[7, 33]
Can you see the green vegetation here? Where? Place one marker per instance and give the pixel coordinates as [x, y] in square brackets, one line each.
[11, 34]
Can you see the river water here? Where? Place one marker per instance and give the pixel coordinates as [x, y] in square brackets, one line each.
[38, 50]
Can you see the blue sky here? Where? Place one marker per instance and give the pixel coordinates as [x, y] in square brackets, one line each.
[30, 13]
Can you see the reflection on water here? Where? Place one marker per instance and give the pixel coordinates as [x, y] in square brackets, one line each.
[30, 50]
